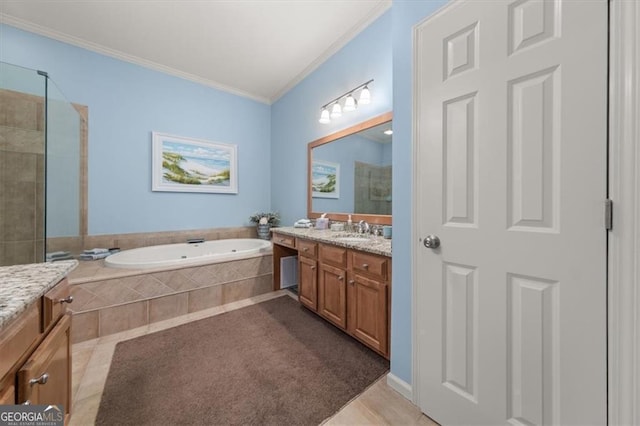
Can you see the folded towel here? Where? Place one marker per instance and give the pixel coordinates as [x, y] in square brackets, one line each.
[56, 259]
[87, 256]
[57, 254]
[96, 251]
[302, 225]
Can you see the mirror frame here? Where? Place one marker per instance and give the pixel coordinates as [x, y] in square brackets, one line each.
[378, 219]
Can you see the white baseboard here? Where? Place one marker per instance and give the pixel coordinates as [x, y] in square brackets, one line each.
[400, 386]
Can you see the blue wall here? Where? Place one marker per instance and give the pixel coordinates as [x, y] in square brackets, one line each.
[294, 117]
[405, 15]
[126, 103]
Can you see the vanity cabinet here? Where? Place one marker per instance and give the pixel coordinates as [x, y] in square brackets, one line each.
[349, 288]
[35, 353]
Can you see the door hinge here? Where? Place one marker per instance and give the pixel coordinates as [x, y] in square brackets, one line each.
[608, 214]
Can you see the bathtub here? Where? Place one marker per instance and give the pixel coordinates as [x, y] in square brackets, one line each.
[184, 254]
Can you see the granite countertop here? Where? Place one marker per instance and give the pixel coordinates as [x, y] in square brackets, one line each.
[21, 285]
[373, 244]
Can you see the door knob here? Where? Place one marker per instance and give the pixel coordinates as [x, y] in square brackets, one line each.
[432, 242]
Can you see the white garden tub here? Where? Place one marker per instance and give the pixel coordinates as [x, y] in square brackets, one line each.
[184, 254]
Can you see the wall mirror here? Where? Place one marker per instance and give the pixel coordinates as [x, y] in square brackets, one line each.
[349, 172]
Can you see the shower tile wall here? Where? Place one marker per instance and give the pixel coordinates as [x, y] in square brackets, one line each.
[21, 178]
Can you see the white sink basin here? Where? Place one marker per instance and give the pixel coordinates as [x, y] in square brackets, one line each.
[352, 239]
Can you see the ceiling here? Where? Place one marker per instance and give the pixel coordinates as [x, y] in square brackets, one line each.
[253, 48]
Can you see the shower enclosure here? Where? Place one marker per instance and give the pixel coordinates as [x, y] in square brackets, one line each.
[40, 185]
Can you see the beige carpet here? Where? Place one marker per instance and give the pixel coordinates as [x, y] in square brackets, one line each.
[273, 363]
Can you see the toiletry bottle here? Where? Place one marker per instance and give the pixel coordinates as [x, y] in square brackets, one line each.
[349, 225]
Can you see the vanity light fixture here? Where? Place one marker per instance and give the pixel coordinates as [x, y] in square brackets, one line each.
[365, 96]
[324, 116]
[350, 103]
[336, 111]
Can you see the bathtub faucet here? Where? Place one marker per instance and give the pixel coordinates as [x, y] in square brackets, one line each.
[195, 240]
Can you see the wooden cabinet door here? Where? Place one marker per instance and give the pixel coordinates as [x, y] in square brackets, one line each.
[54, 303]
[53, 358]
[332, 295]
[368, 312]
[308, 282]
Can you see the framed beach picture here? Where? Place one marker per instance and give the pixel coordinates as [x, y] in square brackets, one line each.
[325, 179]
[182, 164]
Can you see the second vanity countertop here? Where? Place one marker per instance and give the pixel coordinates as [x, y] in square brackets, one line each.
[372, 244]
[21, 285]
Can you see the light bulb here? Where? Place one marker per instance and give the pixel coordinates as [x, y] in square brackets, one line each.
[350, 104]
[365, 96]
[336, 111]
[324, 116]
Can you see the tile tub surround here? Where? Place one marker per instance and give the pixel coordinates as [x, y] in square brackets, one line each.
[21, 285]
[110, 300]
[374, 244]
[145, 239]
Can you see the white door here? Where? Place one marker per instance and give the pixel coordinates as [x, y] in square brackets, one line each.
[510, 137]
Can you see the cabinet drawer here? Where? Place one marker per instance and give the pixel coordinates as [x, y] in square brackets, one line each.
[54, 303]
[333, 254]
[16, 339]
[369, 264]
[50, 364]
[284, 240]
[307, 248]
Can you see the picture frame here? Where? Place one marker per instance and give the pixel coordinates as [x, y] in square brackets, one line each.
[183, 164]
[325, 179]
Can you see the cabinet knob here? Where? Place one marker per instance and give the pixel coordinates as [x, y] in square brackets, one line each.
[365, 266]
[351, 282]
[68, 299]
[305, 249]
[313, 267]
[340, 278]
[27, 402]
[40, 380]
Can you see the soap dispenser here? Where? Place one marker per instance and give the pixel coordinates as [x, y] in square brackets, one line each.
[349, 224]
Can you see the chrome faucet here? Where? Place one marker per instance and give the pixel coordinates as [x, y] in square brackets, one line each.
[363, 227]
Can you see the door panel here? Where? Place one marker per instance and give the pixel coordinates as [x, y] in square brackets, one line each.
[510, 136]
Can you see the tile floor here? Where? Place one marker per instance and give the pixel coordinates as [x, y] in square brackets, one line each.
[378, 405]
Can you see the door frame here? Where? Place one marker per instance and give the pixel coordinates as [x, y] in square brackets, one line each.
[623, 303]
[624, 189]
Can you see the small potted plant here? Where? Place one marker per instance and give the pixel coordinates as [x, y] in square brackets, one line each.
[264, 221]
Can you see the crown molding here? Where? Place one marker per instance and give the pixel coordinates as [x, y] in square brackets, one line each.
[375, 13]
[75, 41]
